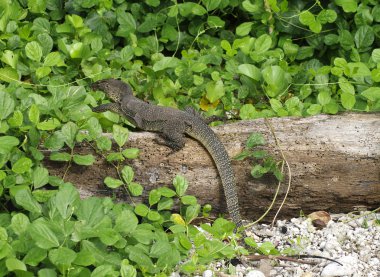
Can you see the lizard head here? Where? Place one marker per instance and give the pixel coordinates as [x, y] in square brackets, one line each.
[113, 88]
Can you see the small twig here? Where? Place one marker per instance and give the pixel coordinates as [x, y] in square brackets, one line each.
[295, 259]
[287, 165]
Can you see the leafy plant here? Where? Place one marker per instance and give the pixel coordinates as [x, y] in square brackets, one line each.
[267, 163]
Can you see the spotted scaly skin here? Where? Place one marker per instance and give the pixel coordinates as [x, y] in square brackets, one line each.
[172, 125]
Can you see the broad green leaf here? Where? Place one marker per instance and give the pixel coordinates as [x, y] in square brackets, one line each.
[90, 210]
[131, 153]
[347, 5]
[48, 125]
[25, 199]
[188, 8]
[348, 100]
[376, 55]
[37, 6]
[7, 143]
[247, 111]
[215, 21]
[88, 159]
[276, 78]
[43, 72]
[249, 7]
[372, 94]
[189, 200]
[16, 119]
[127, 270]
[120, 135]
[84, 258]
[109, 236]
[250, 70]
[22, 165]
[33, 51]
[20, 223]
[141, 210]
[214, 90]
[14, 264]
[62, 256]
[35, 256]
[164, 63]
[126, 222]
[40, 177]
[66, 200]
[127, 174]
[154, 196]
[7, 105]
[326, 16]
[180, 184]
[165, 204]
[53, 59]
[60, 157]
[364, 37]
[244, 29]
[324, 97]
[135, 189]
[314, 109]
[34, 114]
[255, 139]
[307, 18]
[153, 215]
[262, 44]
[69, 131]
[112, 182]
[10, 58]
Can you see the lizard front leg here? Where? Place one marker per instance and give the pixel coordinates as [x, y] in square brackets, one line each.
[113, 107]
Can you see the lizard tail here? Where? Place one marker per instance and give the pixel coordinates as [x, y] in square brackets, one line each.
[211, 142]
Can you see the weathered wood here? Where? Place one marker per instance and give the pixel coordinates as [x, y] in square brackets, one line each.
[335, 164]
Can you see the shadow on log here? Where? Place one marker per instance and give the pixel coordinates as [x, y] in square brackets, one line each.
[334, 160]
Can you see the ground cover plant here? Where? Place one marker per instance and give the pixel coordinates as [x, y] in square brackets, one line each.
[247, 59]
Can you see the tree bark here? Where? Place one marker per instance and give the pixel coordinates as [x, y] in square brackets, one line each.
[334, 163]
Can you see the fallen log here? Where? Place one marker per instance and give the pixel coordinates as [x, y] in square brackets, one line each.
[334, 162]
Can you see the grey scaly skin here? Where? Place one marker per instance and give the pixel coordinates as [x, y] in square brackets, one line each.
[172, 125]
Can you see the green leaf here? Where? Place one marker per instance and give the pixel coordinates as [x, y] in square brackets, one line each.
[250, 70]
[34, 114]
[141, 210]
[186, 9]
[22, 165]
[154, 196]
[53, 59]
[131, 153]
[376, 54]
[255, 139]
[153, 215]
[165, 204]
[34, 256]
[135, 189]
[120, 135]
[164, 63]
[43, 72]
[262, 44]
[60, 157]
[214, 90]
[348, 100]
[14, 264]
[69, 131]
[347, 5]
[314, 109]
[127, 174]
[19, 223]
[84, 159]
[7, 143]
[17, 119]
[189, 200]
[372, 94]
[108, 236]
[127, 270]
[126, 222]
[33, 51]
[48, 125]
[8, 75]
[66, 200]
[244, 29]
[7, 105]
[180, 184]
[112, 182]
[40, 177]
[25, 199]
[324, 97]
[37, 6]
[247, 111]
[364, 37]
[62, 256]
[275, 77]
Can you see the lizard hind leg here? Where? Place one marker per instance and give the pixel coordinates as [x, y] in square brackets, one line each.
[172, 139]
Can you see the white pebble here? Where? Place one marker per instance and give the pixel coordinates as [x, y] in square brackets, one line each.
[334, 269]
[207, 273]
[255, 273]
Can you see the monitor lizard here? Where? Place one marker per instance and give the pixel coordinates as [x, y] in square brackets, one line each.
[172, 125]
